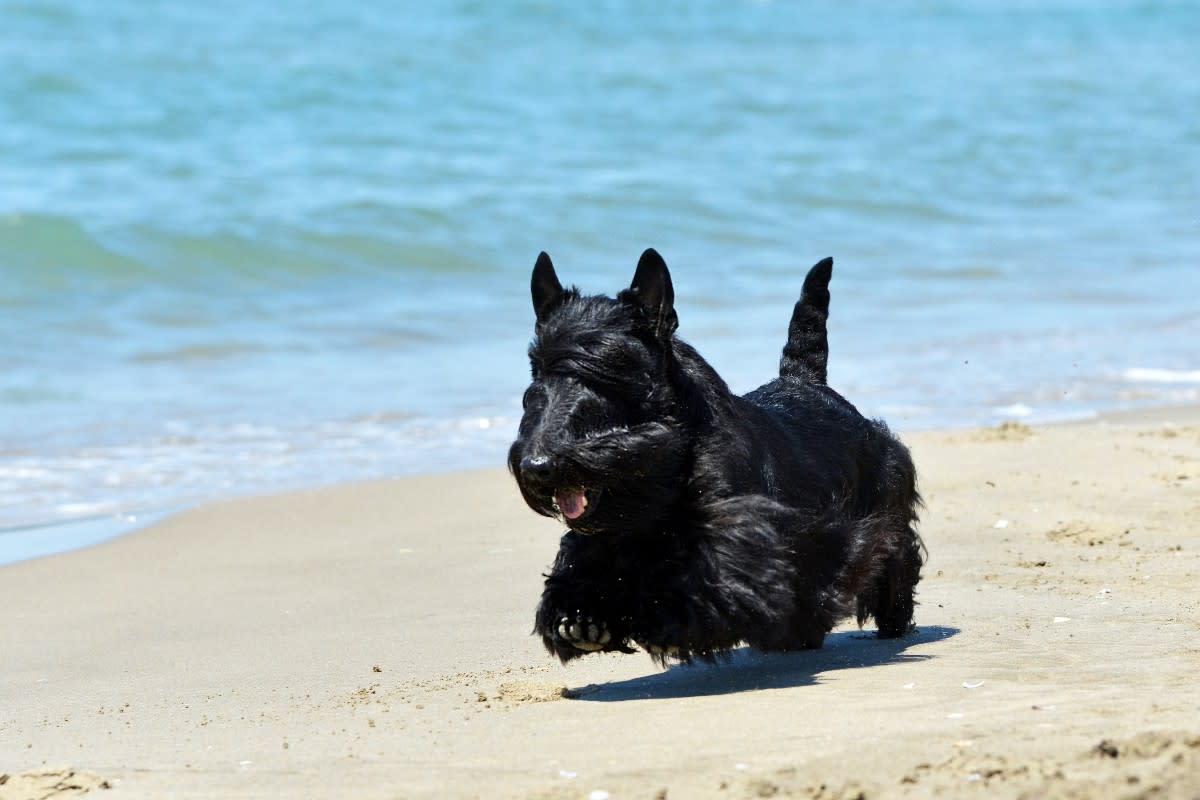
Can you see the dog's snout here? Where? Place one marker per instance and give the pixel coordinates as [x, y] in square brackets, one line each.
[539, 467]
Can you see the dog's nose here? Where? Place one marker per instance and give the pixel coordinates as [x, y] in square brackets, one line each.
[540, 468]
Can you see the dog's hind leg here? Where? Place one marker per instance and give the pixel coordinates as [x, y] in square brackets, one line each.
[889, 598]
[888, 548]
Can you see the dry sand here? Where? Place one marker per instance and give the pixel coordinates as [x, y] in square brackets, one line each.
[372, 641]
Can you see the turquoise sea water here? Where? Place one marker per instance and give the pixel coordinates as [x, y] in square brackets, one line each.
[248, 246]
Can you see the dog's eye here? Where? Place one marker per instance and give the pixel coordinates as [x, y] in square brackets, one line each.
[528, 397]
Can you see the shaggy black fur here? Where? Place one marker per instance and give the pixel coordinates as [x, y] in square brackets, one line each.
[709, 519]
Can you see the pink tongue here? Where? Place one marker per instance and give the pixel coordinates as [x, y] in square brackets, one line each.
[570, 502]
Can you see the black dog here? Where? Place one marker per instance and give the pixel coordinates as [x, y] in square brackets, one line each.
[699, 519]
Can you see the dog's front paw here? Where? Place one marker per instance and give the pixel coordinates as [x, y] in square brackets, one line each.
[582, 633]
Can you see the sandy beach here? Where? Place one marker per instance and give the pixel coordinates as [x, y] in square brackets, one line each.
[372, 641]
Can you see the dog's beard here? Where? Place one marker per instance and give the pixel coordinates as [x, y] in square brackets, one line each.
[620, 480]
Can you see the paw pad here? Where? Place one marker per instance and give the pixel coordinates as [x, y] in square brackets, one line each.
[583, 633]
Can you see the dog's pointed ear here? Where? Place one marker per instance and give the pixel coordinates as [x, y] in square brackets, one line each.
[651, 289]
[546, 290]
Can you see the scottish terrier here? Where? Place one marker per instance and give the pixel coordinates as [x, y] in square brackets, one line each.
[698, 519]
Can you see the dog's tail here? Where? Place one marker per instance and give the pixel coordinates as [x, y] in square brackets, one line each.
[806, 354]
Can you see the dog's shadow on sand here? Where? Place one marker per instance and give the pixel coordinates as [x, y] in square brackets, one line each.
[746, 670]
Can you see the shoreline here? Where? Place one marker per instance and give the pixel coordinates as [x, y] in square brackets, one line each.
[40, 539]
[372, 640]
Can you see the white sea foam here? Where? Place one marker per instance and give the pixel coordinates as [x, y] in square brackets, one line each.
[216, 460]
[83, 509]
